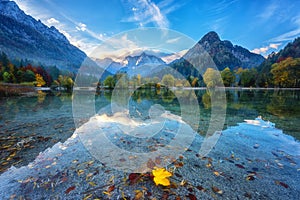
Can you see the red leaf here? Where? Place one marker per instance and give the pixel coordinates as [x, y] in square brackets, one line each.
[111, 188]
[133, 178]
[70, 189]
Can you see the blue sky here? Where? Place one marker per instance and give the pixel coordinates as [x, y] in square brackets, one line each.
[261, 26]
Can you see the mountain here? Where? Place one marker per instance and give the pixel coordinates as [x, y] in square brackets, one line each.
[225, 54]
[222, 53]
[292, 49]
[132, 65]
[23, 37]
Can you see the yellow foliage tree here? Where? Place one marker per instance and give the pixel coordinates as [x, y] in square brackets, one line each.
[40, 81]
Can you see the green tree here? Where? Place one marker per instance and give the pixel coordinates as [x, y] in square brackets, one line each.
[228, 77]
[247, 77]
[287, 73]
[29, 76]
[212, 78]
[168, 80]
[109, 82]
[7, 77]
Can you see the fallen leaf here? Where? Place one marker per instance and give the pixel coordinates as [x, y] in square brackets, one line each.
[138, 195]
[191, 196]
[92, 184]
[216, 173]
[282, 184]
[208, 165]
[161, 176]
[240, 166]
[70, 189]
[87, 196]
[133, 178]
[216, 190]
[111, 188]
[158, 160]
[150, 164]
[79, 172]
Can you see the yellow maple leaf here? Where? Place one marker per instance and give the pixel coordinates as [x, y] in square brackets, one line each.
[161, 176]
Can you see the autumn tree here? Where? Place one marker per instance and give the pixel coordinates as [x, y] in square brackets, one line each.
[39, 80]
[287, 73]
[212, 78]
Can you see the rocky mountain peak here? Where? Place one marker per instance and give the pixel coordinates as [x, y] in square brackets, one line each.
[210, 37]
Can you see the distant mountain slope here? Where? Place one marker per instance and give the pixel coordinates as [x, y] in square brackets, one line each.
[292, 49]
[23, 37]
[223, 53]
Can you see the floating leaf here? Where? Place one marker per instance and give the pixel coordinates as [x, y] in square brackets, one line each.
[70, 189]
[161, 176]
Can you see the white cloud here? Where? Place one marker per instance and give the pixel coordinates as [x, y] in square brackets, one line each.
[52, 21]
[274, 45]
[173, 40]
[261, 50]
[145, 12]
[81, 27]
[264, 50]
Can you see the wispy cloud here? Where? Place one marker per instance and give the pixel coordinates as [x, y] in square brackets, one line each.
[146, 11]
[290, 35]
[265, 49]
[173, 40]
[269, 11]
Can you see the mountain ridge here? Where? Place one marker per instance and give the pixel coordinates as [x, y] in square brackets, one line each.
[23, 37]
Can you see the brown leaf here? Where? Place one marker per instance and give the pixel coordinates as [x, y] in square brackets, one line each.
[138, 195]
[70, 189]
[216, 190]
[150, 164]
[240, 166]
[158, 160]
[178, 164]
[191, 196]
[133, 178]
[111, 188]
[282, 184]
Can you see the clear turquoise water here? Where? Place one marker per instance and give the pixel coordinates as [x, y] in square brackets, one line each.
[47, 119]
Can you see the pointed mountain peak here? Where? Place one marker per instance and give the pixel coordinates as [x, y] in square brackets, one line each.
[210, 37]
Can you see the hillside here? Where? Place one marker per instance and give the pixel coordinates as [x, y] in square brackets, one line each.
[23, 37]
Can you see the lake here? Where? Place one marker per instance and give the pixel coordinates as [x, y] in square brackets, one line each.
[46, 119]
